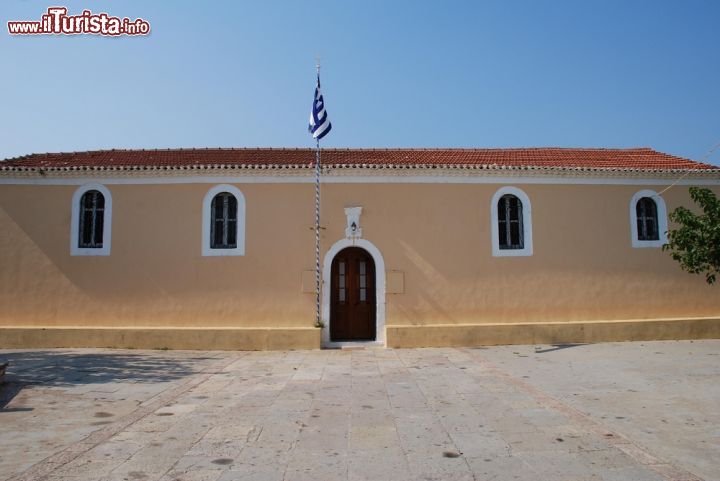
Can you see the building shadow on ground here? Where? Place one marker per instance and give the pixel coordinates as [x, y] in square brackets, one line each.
[61, 368]
[557, 347]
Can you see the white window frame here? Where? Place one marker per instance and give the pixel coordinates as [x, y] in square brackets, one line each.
[662, 224]
[239, 250]
[75, 250]
[527, 249]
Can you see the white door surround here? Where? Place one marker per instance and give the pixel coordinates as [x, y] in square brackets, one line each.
[379, 292]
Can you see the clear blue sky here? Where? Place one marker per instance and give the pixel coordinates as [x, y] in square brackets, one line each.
[395, 74]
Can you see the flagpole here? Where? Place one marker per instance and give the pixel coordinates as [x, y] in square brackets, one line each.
[318, 321]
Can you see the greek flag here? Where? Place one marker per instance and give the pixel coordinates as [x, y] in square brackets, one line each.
[319, 123]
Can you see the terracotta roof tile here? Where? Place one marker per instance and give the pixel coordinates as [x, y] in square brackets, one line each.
[563, 158]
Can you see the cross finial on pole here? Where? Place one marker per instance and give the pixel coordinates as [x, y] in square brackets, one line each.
[317, 64]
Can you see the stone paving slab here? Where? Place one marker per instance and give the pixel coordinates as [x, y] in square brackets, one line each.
[616, 411]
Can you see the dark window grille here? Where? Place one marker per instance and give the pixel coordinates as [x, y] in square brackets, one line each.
[647, 219]
[510, 223]
[92, 220]
[223, 222]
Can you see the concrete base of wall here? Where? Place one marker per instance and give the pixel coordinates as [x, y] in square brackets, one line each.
[552, 333]
[259, 339]
[161, 338]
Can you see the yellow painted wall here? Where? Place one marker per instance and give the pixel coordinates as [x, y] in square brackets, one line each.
[438, 235]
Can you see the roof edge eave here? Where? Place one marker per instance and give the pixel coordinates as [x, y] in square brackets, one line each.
[294, 170]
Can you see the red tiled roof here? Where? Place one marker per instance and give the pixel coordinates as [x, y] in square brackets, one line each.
[558, 158]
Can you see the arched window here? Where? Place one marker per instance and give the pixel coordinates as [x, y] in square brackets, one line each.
[223, 222]
[648, 219]
[92, 217]
[90, 221]
[511, 223]
[223, 233]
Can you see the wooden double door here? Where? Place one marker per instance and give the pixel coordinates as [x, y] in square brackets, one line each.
[353, 303]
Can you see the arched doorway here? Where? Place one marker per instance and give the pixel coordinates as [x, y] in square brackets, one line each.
[353, 303]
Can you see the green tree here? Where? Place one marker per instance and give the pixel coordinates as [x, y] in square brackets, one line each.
[695, 243]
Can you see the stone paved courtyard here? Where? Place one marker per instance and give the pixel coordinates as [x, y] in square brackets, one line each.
[616, 411]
